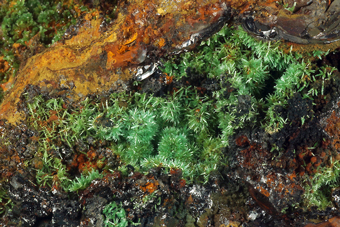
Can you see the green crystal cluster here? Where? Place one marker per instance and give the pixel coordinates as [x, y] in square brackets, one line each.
[188, 130]
[146, 131]
[185, 129]
[257, 72]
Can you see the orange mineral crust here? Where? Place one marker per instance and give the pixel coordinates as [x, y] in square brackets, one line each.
[99, 57]
[332, 222]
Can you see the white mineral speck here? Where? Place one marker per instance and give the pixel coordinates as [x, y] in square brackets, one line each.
[252, 215]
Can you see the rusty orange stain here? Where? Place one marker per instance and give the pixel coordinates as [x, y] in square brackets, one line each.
[169, 79]
[190, 199]
[110, 60]
[263, 191]
[332, 222]
[53, 118]
[150, 186]
[292, 175]
[4, 65]
[8, 85]
[132, 39]
[182, 183]
[161, 42]
[332, 129]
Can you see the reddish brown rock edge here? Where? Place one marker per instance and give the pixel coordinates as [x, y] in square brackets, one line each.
[333, 222]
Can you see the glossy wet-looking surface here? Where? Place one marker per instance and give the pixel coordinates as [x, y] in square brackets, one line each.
[303, 21]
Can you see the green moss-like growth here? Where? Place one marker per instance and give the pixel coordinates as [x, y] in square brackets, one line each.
[174, 144]
[136, 127]
[261, 77]
[318, 191]
[84, 181]
[21, 20]
[115, 215]
[186, 130]
[6, 203]
[140, 127]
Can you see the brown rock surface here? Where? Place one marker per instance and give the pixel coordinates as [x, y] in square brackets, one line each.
[332, 222]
